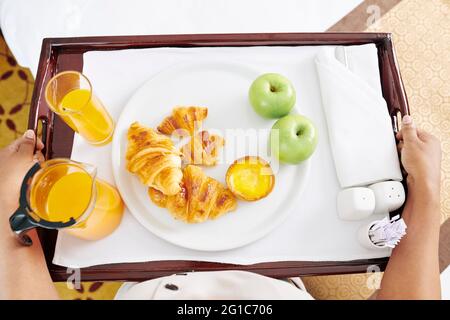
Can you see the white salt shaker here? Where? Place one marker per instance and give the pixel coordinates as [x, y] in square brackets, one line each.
[389, 196]
[355, 203]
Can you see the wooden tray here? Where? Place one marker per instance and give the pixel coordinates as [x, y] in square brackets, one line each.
[60, 54]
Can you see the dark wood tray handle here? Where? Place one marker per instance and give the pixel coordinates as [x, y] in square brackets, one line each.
[42, 128]
[394, 90]
[41, 117]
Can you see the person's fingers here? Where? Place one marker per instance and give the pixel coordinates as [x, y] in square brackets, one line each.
[400, 146]
[399, 135]
[425, 136]
[38, 156]
[14, 146]
[27, 143]
[39, 144]
[408, 131]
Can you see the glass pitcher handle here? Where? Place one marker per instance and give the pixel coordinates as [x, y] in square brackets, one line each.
[20, 221]
[20, 224]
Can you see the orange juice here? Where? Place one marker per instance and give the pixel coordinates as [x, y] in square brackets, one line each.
[105, 216]
[66, 191]
[85, 114]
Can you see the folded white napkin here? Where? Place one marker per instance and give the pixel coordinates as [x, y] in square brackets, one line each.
[312, 232]
[359, 126]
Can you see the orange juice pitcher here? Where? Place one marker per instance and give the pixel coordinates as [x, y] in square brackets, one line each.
[67, 195]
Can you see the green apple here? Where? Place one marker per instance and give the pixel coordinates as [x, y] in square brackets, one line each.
[272, 95]
[293, 139]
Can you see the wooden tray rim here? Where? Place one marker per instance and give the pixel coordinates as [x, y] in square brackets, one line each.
[60, 54]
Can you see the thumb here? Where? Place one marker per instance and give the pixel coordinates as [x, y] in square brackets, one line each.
[409, 130]
[27, 143]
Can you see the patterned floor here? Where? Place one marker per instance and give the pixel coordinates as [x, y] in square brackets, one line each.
[16, 87]
[421, 32]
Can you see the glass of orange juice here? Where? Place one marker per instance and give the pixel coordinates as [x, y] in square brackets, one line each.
[67, 195]
[69, 94]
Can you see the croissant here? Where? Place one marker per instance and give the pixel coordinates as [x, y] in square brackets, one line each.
[184, 121]
[201, 197]
[202, 149]
[154, 159]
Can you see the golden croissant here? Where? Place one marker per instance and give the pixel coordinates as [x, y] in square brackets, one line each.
[202, 149]
[201, 197]
[154, 159]
[183, 121]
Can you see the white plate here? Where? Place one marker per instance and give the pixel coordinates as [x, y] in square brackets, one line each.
[222, 87]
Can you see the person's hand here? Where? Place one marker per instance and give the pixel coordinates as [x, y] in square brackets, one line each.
[15, 161]
[420, 156]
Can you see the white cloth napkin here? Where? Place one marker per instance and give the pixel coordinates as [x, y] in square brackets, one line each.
[359, 126]
[313, 232]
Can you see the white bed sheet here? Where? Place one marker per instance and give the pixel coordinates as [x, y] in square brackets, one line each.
[25, 23]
